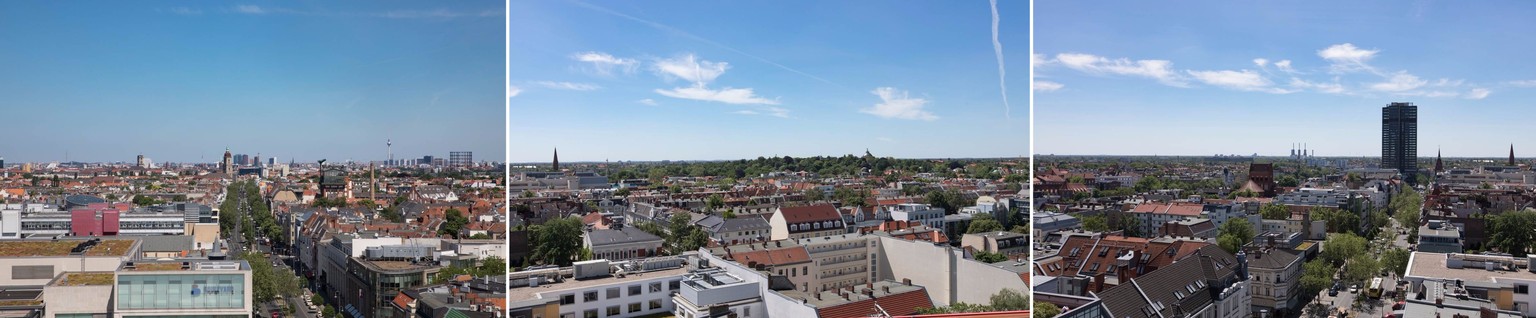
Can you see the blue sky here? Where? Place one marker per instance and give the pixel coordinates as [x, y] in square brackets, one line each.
[181, 80]
[1243, 77]
[675, 80]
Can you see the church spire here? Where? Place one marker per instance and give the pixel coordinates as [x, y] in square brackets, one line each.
[557, 159]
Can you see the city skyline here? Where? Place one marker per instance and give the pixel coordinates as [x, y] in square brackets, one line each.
[179, 81]
[1244, 78]
[659, 81]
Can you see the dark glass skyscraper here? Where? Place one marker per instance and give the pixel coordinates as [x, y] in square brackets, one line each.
[1400, 138]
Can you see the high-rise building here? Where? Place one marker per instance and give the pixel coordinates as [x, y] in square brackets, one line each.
[139, 162]
[461, 158]
[228, 164]
[1400, 138]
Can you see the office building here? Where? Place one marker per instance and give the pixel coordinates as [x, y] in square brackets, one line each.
[1400, 138]
[461, 158]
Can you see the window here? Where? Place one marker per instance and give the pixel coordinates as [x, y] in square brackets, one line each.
[804, 270]
[746, 311]
[567, 299]
[590, 313]
[1522, 289]
[656, 287]
[655, 304]
[672, 285]
[613, 311]
[634, 290]
[588, 297]
[32, 272]
[612, 293]
[634, 308]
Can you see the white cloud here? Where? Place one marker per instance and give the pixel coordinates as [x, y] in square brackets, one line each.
[251, 9]
[690, 68]
[1478, 93]
[605, 64]
[1161, 70]
[745, 112]
[512, 91]
[1347, 58]
[778, 112]
[1446, 82]
[1002, 73]
[1399, 82]
[1331, 88]
[725, 95]
[894, 104]
[1285, 65]
[1521, 83]
[1046, 86]
[1246, 80]
[647, 101]
[701, 73]
[1037, 59]
[568, 86]
[1261, 62]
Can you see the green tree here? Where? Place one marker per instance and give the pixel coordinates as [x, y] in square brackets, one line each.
[1360, 268]
[557, 241]
[1045, 310]
[715, 201]
[1095, 223]
[1340, 247]
[986, 257]
[1287, 181]
[982, 223]
[453, 223]
[1316, 275]
[1274, 212]
[1396, 260]
[1009, 299]
[1131, 226]
[1510, 232]
[684, 236]
[814, 194]
[729, 214]
[624, 192]
[1235, 234]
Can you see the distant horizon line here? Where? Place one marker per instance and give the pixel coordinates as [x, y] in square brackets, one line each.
[546, 162]
[1261, 156]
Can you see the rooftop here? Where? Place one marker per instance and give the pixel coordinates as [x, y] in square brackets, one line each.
[85, 279]
[182, 265]
[28, 248]
[1433, 265]
[525, 293]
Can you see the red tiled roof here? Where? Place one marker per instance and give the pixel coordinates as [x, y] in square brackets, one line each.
[813, 213]
[793, 255]
[1177, 208]
[898, 304]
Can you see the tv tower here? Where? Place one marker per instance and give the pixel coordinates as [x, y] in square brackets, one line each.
[389, 148]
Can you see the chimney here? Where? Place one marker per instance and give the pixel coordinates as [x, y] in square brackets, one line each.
[1098, 282]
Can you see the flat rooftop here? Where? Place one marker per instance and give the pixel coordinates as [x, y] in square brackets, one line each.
[51, 248]
[395, 265]
[831, 298]
[1423, 264]
[525, 293]
[85, 279]
[183, 265]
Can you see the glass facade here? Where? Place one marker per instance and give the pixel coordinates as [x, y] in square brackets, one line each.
[186, 291]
